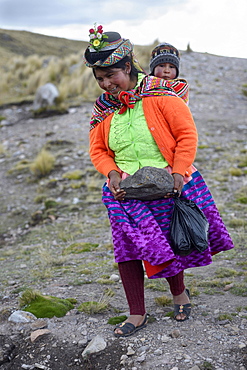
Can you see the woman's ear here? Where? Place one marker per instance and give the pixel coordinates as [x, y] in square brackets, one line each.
[127, 67]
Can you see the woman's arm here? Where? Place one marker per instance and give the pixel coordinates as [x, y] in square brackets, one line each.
[183, 130]
[103, 160]
[101, 155]
[171, 123]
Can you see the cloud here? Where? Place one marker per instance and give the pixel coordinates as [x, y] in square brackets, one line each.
[217, 27]
[213, 26]
[32, 13]
[46, 13]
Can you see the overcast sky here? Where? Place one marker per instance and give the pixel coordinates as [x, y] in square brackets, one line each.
[212, 26]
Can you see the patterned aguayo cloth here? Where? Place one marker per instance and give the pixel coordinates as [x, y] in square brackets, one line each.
[107, 104]
[140, 229]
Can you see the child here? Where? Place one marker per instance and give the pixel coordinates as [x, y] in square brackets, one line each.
[164, 64]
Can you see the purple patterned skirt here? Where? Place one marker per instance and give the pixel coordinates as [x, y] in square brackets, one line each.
[140, 229]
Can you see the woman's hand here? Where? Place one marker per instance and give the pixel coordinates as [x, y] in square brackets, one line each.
[115, 179]
[178, 182]
[178, 185]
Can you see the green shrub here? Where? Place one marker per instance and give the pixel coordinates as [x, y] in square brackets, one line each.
[45, 306]
[116, 320]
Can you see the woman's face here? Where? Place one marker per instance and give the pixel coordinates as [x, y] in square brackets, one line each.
[167, 71]
[114, 80]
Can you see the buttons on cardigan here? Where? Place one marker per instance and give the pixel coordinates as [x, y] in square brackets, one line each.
[152, 128]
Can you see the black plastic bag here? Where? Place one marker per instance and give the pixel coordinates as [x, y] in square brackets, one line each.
[189, 227]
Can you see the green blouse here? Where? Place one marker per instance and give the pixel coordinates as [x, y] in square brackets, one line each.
[132, 142]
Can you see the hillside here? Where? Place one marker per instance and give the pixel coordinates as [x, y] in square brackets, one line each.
[55, 238]
[29, 60]
[13, 43]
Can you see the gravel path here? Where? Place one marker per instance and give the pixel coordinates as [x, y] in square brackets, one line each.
[34, 241]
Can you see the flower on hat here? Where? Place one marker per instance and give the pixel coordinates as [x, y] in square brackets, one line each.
[97, 37]
[96, 43]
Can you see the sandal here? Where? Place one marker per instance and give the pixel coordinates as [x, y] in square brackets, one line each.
[128, 329]
[184, 309]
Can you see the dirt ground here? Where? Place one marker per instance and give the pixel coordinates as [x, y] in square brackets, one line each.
[34, 240]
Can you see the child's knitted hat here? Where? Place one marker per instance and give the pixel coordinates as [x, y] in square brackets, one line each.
[164, 53]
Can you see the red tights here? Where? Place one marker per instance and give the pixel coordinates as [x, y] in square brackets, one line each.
[132, 276]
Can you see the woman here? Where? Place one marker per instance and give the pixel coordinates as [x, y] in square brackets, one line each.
[140, 121]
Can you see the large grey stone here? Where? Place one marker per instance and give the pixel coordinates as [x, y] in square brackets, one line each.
[22, 316]
[148, 183]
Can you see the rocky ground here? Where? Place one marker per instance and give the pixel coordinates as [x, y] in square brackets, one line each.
[44, 248]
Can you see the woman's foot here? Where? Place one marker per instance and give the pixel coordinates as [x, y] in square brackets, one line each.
[131, 325]
[182, 306]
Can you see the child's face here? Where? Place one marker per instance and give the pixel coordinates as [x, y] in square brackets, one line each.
[167, 71]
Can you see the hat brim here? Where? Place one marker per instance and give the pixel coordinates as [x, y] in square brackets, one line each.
[108, 57]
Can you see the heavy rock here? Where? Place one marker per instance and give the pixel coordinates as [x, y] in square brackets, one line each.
[45, 96]
[148, 183]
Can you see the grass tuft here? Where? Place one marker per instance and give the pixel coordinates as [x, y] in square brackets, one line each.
[73, 175]
[235, 171]
[93, 307]
[80, 247]
[116, 320]
[163, 301]
[28, 296]
[223, 272]
[156, 284]
[240, 290]
[225, 316]
[237, 223]
[244, 89]
[43, 164]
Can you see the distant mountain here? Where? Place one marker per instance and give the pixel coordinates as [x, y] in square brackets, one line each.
[27, 43]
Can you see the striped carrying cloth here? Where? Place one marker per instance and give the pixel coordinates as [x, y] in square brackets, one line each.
[107, 104]
[140, 230]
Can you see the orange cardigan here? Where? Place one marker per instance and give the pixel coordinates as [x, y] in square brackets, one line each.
[170, 122]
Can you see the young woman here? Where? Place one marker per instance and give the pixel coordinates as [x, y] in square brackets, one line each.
[140, 121]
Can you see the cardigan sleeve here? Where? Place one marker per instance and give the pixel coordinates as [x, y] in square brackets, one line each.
[172, 126]
[184, 132]
[101, 155]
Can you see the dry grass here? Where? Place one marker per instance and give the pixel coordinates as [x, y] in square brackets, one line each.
[44, 62]
[94, 307]
[2, 150]
[48, 259]
[43, 164]
[163, 301]
[28, 296]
